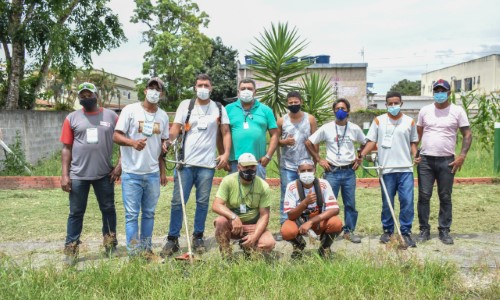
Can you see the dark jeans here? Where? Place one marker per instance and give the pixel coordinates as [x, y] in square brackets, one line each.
[402, 183]
[78, 196]
[344, 180]
[432, 169]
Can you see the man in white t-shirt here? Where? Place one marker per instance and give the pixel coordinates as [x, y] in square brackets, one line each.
[200, 145]
[437, 127]
[395, 136]
[140, 131]
[340, 163]
[310, 205]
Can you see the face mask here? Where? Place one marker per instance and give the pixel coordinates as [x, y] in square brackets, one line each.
[202, 93]
[246, 96]
[248, 175]
[88, 103]
[341, 114]
[306, 177]
[294, 108]
[394, 110]
[441, 97]
[153, 96]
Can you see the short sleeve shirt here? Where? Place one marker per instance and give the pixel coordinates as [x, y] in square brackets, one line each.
[90, 156]
[394, 138]
[292, 198]
[200, 147]
[248, 129]
[340, 149]
[440, 128]
[253, 197]
[131, 122]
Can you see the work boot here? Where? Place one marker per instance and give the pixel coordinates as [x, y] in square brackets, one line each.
[198, 244]
[170, 247]
[385, 237]
[352, 237]
[71, 251]
[109, 242]
[424, 235]
[298, 245]
[326, 242]
[408, 240]
[444, 236]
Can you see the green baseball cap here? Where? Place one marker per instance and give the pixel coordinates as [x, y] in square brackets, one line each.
[87, 86]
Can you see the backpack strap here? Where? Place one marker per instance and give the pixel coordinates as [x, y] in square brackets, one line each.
[317, 190]
[185, 129]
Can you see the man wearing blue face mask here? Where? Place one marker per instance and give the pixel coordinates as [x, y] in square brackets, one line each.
[437, 128]
[395, 135]
[340, 163]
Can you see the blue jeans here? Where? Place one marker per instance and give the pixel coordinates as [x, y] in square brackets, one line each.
[140, 192]
[286, 176]
[344, 180]
[104, 191]
[261, 171]
[201, 178]
[403, 184]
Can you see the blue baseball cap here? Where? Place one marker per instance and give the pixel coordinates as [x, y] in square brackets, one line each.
[443, 83]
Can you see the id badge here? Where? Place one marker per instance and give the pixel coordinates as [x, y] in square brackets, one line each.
[147, 128]
[92, 136]
[243, 208]
[387, 141]
[202, 123]
[245, 125]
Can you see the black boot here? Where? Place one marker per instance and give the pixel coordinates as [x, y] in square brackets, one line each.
[326, 242]
[298, 246]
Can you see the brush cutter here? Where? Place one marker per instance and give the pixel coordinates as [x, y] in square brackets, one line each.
[373, 158]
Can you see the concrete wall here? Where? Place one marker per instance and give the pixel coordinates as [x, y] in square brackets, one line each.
[39, 132]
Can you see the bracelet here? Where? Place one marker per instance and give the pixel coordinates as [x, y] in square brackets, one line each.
[267, 156]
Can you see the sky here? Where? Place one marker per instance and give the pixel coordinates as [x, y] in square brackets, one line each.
[400, 39]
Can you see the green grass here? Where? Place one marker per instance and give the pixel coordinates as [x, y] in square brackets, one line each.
[380, 277]
[42, 214]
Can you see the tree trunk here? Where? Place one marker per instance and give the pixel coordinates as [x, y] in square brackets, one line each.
[44, 70]
[16, 75]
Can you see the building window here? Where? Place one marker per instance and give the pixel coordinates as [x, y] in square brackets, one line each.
[468, 84]
[478, 77]
[458, 85]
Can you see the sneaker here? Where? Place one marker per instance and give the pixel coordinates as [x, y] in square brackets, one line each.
[109, 242]
[385, 237]
[423, 236]
[444, 236]
[170, 247]
[198, 245]
[408, 240]
[352, 237]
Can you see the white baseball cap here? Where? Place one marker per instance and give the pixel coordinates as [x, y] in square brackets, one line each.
[247, 159]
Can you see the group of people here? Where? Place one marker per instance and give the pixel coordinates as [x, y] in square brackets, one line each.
[237, 132]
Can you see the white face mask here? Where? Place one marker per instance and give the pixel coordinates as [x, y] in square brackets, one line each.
[202, 93]
[246, 96]
[153, 96]
[307, 177]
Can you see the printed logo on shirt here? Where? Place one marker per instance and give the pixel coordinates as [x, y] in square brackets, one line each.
[156, 127]
[107, 124]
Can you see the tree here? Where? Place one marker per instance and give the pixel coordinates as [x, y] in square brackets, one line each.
[406, 87]
[318, 96]
[275, 54]
[178, 48]
[221, 67]
[54, 33]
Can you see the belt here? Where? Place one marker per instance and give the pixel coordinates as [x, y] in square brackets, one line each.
[342, 167]
[437, 157]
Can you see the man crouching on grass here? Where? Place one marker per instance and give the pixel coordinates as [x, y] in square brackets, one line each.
[310, 205]
[243, 202]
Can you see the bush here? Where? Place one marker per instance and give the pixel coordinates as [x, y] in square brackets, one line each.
[15, 162]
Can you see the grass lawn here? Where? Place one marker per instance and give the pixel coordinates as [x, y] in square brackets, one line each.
[27, 215]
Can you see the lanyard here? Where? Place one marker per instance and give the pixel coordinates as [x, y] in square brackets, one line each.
[395, 125]
[241, 192]
[338, 141]
[146, 118]
[200, 110]
[92, 125]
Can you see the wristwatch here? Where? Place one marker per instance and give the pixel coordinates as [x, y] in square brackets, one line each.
[267, 156]
[233, 217]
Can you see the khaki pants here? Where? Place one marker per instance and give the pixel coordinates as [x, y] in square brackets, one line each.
[223, 235]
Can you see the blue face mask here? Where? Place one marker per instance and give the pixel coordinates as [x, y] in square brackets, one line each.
[394, 110]
[341, 114]
[441, 97]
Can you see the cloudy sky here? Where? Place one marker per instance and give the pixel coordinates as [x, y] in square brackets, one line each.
[401, 39]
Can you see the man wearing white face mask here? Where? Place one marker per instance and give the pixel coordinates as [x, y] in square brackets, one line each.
[201, 118]
[140, 131]
[250, 120]
[437, 127]
[310, 205]
[395, 135]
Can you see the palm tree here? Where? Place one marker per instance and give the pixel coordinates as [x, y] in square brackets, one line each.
[318, 96]
[277, 64]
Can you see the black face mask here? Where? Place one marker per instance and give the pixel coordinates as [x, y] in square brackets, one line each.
[294, 108]
[248, 175]
[88, 103]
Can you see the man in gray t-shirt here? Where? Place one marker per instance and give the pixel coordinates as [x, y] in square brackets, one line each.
[87, 137]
